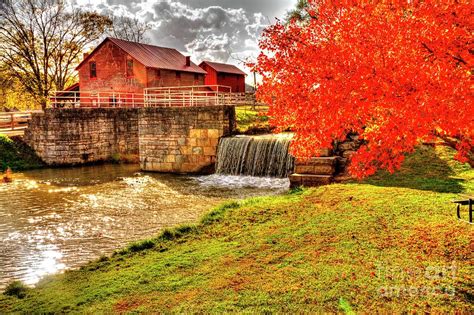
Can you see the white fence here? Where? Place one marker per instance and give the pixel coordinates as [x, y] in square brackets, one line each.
[179, 96]
[188, 96]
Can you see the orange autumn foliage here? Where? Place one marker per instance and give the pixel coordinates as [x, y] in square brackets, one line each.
[393, 72]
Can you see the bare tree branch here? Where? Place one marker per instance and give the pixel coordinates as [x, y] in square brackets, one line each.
[130, 29]
[42, 40]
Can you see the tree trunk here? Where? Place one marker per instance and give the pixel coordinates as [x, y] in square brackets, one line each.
[43, 103]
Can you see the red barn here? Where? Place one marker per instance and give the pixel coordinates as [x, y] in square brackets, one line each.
[224, 74]
[122, 66]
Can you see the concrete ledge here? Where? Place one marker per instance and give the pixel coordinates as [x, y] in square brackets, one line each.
[321, 160]
[316, 166]
[308, 180]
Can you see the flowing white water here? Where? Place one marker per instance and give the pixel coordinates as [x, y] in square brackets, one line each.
[255, 156]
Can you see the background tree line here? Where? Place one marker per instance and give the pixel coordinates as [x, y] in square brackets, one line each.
[41, 42]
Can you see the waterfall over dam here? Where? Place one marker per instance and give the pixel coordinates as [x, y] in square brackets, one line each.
[255, 156]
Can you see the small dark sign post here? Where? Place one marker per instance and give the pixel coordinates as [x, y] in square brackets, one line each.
[466, 202]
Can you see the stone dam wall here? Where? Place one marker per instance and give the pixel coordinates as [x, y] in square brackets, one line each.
[79, 136]
[163, 139]
[182, 140]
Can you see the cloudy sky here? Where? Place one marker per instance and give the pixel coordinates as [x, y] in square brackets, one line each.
[219, 30]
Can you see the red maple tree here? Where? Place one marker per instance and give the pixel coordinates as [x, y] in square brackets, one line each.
[395, 73]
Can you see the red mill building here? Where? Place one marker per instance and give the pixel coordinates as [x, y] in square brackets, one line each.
[224, 74]
[123, 66]
[120, 73]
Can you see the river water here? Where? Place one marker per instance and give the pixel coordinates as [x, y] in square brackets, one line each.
[54, 219]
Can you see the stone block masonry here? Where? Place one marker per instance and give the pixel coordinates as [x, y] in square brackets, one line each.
[164, 139]
[314, 171]
[182, 140]
[330, 166]
[80, 136]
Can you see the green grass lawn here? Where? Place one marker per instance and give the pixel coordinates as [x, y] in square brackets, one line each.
[391, 243]
[252, 120]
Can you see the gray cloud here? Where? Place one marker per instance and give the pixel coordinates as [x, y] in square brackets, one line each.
[211, 47]
[225, 30]
[207, 33]
[269, 8]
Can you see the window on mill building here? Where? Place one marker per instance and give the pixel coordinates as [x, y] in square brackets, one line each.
[92, 69]
[129, 67]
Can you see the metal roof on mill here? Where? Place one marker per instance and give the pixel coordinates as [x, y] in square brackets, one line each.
[223, 67]
[152, 56]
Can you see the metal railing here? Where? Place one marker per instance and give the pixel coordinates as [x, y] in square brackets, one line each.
[189, 96]
[177, 96]
[90, 99]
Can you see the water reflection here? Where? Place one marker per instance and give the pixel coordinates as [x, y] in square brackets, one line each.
[61, 218]
[48, 263]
